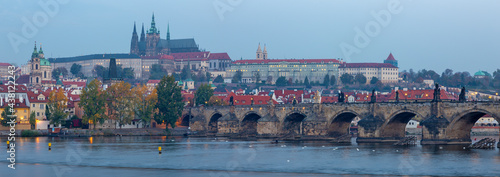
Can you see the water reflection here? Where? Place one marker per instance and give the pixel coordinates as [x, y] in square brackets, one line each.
[306, 158]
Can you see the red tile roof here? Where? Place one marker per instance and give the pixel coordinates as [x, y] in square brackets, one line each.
[214, 56]
[286, 60]
[34, 97]
[390, 57]
[5, 64]
[77, 83]
[190, 55]
[367, 65]
[23, 79]
[153, 81]
[420, 95]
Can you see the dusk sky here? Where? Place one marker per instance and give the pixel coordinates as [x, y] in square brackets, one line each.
[430, 34]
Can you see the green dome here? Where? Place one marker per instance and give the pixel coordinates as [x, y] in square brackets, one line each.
[44, 62]
[480, 73]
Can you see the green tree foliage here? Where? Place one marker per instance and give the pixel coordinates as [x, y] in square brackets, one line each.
[333, 80]
[156, 72]
[100, 71]
[326, 80]
[185, 72]
[57, 104]
[7, 112]
[75, 69]
[307, 83]
[237, 77]
[203, 94]
[32, 119]
[56, 72]
[360, 78]
[120, 103]
[374, 80]
[92, 100]
[169, 103]
[128, 73]
[281, 81]
[47, 111]
[347, 78]
[144, 103]
[219, 79]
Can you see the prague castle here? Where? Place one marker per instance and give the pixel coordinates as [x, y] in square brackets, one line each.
[150, 43]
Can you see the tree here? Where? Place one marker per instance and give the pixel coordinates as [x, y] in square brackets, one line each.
[99, 71]
[346, 78]
[281, 81]
[185, 72]
[326, 80]
[56, 72]
[120, 103]
[144, 102]
[219, 79]
[307, 83]
[374, 80]
[237, 77]
[216, 101]
[360, 78]
[57, 106]
[203, 94]
[269, 79]
[75, 69]
[32, 119]
[92, 100]
[6, 115]
[128, 73]
[47, 112]
[333, 80]
[257, 77]
[201, 77]
[156, 72]
[169, 103]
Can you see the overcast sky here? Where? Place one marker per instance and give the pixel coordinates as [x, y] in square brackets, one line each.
[430, 34]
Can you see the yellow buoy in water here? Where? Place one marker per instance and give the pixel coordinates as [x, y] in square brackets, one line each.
[159, 149]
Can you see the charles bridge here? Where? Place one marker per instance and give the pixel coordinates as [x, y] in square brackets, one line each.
[443, 122]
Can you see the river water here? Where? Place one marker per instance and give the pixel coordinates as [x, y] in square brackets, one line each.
[138, 156]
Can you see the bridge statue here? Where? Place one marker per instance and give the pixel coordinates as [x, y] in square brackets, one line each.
[374, 97]
[397, 96]
[341, 98]
[461, 97]
[436, 94]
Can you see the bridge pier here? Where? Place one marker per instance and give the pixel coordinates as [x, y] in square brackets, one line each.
[369, 130]
[228, 125]
[434, 131]
[268, 126]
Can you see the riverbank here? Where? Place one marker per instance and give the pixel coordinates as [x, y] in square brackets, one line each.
[178, 131]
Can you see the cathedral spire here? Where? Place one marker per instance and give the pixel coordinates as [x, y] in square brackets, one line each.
[168, 31]
[143, 37]
[153, 25]
[264, 55]
[135, 31]
[259, 53]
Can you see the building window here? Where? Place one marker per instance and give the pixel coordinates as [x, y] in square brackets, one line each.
[37, 114]
[41, 106]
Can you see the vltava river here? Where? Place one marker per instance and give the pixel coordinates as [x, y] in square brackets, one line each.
[138, 156]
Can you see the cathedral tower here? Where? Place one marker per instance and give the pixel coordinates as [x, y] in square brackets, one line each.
[259, 53]
[152, 38]
[134, 44]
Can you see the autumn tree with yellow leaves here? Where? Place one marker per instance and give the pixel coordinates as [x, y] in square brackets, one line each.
[58, 102]
[145, 101]
[120, 102]
[92, 100]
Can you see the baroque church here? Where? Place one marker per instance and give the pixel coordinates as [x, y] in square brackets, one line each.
[41, 70]
[150, 43]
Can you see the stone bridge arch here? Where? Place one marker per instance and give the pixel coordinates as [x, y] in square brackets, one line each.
[213, 120]
[249, 122]
[395, 124]
[461, 124]
[292, 122]
[341, 122]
